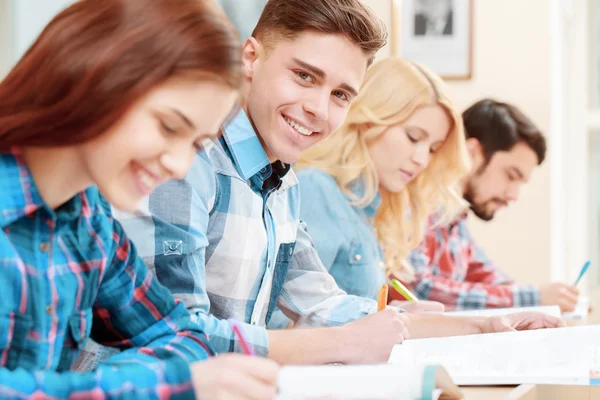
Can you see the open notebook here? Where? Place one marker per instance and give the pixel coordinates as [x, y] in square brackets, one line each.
[372, 382]
[569, 356]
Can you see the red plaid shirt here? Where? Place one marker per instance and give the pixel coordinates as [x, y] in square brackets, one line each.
[452, 269]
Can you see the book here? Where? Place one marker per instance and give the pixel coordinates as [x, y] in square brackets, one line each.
[561, 356]
[362, 382]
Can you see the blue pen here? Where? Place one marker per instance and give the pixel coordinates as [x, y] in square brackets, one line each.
[583, 270]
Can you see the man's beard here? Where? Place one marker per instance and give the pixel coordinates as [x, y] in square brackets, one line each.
[479, 209]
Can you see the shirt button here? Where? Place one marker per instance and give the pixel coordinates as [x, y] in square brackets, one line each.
[357, 257]
[49, 309]
[44, 247]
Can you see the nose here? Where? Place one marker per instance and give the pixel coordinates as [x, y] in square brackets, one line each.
[177, 163]
[513, 191]
[318, 105]
[421, 156]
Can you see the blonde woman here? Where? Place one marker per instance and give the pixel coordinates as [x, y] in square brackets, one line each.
[368, 189]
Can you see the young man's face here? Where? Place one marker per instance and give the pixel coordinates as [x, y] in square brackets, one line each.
[300, 90]
[496, 184]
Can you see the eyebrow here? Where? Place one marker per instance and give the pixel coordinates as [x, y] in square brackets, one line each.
[185, 119]
[321, 75]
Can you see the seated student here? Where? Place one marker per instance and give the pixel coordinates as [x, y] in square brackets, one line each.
[505, 147]
[86, 118]
[367, 190]
[227, 239]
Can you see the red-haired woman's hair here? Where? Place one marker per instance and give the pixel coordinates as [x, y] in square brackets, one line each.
[96, 58]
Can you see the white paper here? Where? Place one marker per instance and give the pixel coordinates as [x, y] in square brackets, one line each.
[491, 312]
[373, 382]
[581, 310]
[548, 356]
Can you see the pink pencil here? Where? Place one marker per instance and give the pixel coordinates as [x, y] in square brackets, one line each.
[238, 332]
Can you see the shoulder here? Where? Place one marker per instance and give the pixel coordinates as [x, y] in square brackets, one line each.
[314, 179]
[319, 192]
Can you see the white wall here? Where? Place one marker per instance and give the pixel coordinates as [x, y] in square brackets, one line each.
[21, 21]
[5, 34]
[512, 59]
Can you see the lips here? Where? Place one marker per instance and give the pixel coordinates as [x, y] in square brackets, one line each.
[146, 181]
[408, 175]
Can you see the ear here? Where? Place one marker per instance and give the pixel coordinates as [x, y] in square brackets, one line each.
[251, 52]
[475, 151]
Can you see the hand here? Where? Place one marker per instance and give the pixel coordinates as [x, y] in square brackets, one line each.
[372, 338]
[422, 306]
[522, 321]
[235, 376]
[560, 294]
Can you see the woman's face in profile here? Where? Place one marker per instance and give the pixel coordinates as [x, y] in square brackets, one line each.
[157, 139]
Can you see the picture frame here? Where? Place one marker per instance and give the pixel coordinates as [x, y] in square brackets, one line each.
[435, 33]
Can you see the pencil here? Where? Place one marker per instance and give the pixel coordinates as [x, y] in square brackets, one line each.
[238, 332]
[382, 297]
[400, 288]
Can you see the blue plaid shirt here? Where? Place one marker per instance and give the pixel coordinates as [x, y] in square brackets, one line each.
[70, 273]
[227, 241]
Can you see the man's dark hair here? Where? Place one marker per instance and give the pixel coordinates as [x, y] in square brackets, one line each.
[499, 126]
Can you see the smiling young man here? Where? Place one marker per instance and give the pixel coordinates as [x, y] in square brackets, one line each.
[227, 240]
[505, 148]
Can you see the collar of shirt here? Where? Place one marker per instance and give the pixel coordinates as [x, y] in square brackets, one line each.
[249, 157]
[23, 197]
[244, 146]
[459, 218]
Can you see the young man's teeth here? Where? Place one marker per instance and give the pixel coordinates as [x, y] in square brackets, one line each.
[146, 179]
[299, 128]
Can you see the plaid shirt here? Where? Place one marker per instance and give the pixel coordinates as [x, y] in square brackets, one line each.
[63, 270]
[452, 269]
[227, 241]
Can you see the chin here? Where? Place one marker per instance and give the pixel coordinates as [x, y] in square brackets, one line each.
[124, 202]
[394, 188]
[287, 156]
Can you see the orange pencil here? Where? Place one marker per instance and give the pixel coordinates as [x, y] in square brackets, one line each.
[382, 297]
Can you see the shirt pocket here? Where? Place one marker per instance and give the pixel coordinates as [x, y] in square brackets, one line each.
[359, 272]
[14, 330]
[76, 334]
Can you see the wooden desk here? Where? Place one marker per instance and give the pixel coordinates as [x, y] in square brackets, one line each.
[487, 393]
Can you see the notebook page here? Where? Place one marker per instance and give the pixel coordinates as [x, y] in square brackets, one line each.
[581, 310]
[549, 356]
[350, 382]
[490, 312]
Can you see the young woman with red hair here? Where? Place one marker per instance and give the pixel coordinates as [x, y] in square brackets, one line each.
[112, 99]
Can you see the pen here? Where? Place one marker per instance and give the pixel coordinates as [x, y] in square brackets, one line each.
[400, 288]
[583, 270]
[382, 297]
[238, 332]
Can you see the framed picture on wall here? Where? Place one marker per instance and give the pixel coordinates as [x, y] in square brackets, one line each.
[436, 33]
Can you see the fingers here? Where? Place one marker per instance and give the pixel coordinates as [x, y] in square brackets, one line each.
[262, 369]
[433, 306]
[572, 289]
[568, 301]
[245, 386]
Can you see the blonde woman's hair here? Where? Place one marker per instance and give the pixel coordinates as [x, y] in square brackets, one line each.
[392, 91]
